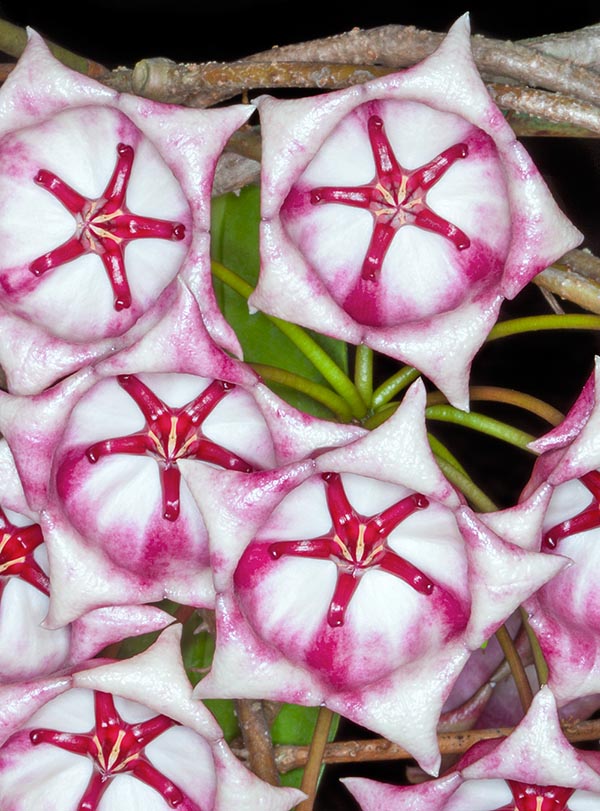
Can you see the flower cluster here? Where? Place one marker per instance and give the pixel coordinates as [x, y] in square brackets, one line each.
[143, 459]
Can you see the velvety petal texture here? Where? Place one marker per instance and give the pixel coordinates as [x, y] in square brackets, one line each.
[104, 203]
[358, 579]
[399, 213]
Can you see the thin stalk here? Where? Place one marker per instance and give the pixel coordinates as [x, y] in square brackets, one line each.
[498, 394]
[380, 416]
[363, 372]
[474, 495]
[535, 323]
[442, 452]
[310, 778]
[516, 667]
[13, 40]
[390, 387]
[335, 376]
[480, 422]
[257, 739]
[541, 667]
[321, 394]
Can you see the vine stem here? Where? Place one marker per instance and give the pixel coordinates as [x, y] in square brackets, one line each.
[363, 372]
[335, 376]
[534, 323]
[310, 778]
[499, 394]
[516, 666]
[393, 385]
[257, 739]
[321, 394]
[541, 667]
[482, 423]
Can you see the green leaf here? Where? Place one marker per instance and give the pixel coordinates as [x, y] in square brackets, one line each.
[296, 725]
[235, 221]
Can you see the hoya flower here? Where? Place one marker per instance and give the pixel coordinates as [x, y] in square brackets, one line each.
[100, 454]
[535, 767]
[27, 648]
[400, 213]
[123, 735]
[566, 612]
[357, 579]
[104, 202]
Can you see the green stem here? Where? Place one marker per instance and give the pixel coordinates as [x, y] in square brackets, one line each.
[312, 770]
[363, 372]
[336, 404]
[476, 497]
[541, 667]
[534, 323]
[390, 387]
[497, 394]
[442, 452]
[516, 667]
[13, 40]
[332, 373]
[482, 423]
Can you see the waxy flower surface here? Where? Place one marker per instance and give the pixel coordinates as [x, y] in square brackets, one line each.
[28, 648]
[566, 612]
[104, 203]
[534, 769]
[124, 735]
[358, 579]
[400, 214]
[100, 456]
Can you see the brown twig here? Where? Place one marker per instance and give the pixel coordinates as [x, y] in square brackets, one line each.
[575, 278]
[551, 106]
[257, 740]
[314, 762]
[380, 749]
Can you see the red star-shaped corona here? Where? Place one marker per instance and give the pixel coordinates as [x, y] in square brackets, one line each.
[589, 518]
[396, 197]
[103, 226]
[115, 747]
[530, 797]
[17, 545]
[356, 544]
[171, 434]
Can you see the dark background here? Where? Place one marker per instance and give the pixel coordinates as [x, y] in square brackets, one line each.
[550, 365]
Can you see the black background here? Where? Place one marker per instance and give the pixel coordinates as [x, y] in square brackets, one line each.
[550, 365]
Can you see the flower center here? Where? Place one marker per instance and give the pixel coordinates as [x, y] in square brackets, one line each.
[17, 545]
[396, 197]
[115, 747]
[356, 544]
[530, 797]
[103, 226]
[589, 518]
[171, 434]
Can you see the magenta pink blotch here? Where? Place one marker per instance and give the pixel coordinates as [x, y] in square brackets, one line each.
[396, 197]
[104, 226]
[171, 434]
[115, 747]
[356, 544]
[588, 518]
[17, 545]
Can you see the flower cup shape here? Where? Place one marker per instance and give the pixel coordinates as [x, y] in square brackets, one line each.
[358, 579]
[100, 457]
[89, 749]
[400, 213]
[28, 648]
[565, 613]
[534, 769]
[104, 202]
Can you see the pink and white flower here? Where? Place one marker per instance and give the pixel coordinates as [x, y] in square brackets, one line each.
[535, 767]
[565, 613]
[400, 214]
[104, 202]
[358, 579]
[100, 453]
[123, 735]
